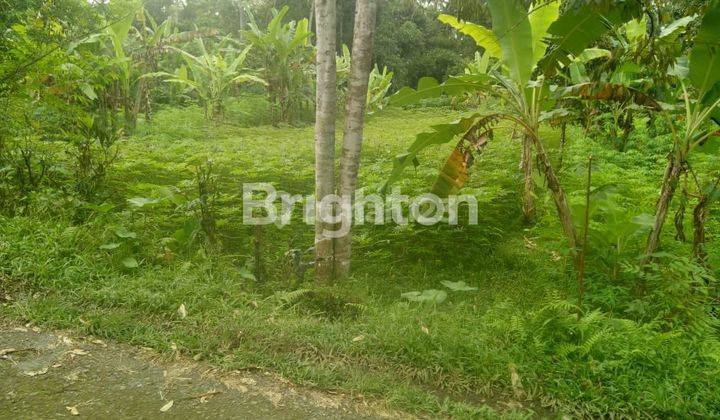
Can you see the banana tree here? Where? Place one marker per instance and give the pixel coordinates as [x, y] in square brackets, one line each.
[701, 99]
[516, 41]
[211, 76]
[519, 40]
[287, 57]
[639, 57]
[152, 38]
[118, 33]
[136, 51]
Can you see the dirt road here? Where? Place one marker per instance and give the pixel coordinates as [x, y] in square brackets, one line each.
[54, 375]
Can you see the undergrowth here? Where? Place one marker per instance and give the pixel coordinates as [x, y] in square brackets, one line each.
[510, 341]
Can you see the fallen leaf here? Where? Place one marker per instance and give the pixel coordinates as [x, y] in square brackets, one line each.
[20, 329]
[182, 311]
[99, 342]
[5, 352]
[205, 397]
[37, 372]
[529, 244]
[247, 381]
[73, 410]
[358, 338]
[78, 352]
[167, 406]
[425, 329]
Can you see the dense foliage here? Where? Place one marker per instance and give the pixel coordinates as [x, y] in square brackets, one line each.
[589, 288]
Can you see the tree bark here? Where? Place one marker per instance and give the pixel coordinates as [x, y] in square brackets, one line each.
[325, 114]
[528, 185]
[558, 194]
[360, 68]
[700, 215]
[670, 182]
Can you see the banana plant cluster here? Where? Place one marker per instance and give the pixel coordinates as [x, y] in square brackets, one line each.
[287, 58]
[700, 97]
[379, 83]
[537, 46]
[211, 75]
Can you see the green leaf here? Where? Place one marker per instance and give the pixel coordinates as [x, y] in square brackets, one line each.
[441, 134]
[123, 233]
[130, 262]
[142, 201]
[680, 69]
[429, 87]
[512, 28]
[670, 31]
[88, 91]
[110, 246]
[249, 78]
[186, 234]
[590, 54]
[579, 27]
[542, 15]
[705, 55]
[578, 73]
[555, 115]
[483, 36]
[458, 286]
[246, 274]
[19, 29]
[636, 29]
[427, 296]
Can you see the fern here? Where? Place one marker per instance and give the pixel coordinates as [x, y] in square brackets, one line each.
[603, 336]
[290, 297]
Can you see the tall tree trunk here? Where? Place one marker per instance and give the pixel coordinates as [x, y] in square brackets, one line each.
[354, 121]
[528, 185]
[558, 194]
[326, 104]
[669, 186]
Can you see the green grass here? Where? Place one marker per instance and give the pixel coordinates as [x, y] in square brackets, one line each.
[456, 358]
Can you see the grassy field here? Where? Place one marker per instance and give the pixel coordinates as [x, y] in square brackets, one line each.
[514, 347]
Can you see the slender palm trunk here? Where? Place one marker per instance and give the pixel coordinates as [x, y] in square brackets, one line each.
[670, 182]
[326, 98]
[528, 185]
[354, 122]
